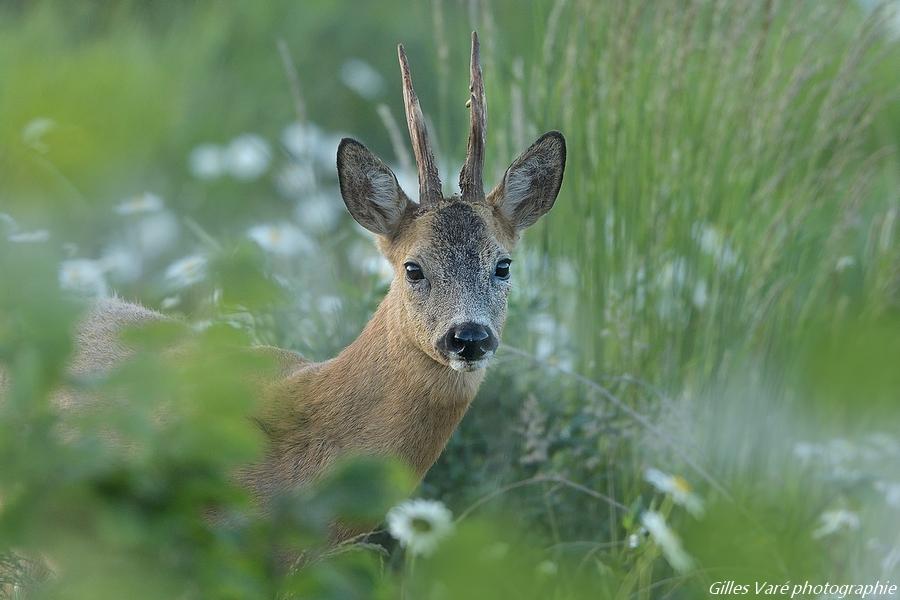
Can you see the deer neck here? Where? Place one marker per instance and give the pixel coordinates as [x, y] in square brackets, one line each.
[384, 395]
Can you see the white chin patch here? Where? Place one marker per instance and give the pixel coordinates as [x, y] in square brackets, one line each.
[465, 365]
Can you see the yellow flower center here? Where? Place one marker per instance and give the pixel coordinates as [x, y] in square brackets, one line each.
[681, 484]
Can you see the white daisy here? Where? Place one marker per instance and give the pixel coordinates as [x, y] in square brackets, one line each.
[207, 161]
[891, 491]
[667, 541]
[544, 325]
[319, 212]
[547, 568]
[30, 237]
[807, 451]
[700, 296]
[677, 487]
[324, 148]
[330, 304]
[123, 263]
[247, 157]
[83, 276]
[884, 443]
[186, 271]
[419, 525]
[673, 274]
[714, 244]
[14, 234]
[362, 78]
[9, 224]
[299, 138]
[832, 521]
[146, 202]
[296, 180]
[33, 133]
[844, 263]
[155, 233]
[281, 238]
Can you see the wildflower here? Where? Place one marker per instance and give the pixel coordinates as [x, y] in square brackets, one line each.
[206, 161]
[30, 237]
[891, 491]
[667, 541]
[323, 151]
[330, 304]
[884, 443]
[544, 325]
[146, 202]
[362, 78]
[419, 525]
[806, 451]
[282, 238]
[700, 296]
[122, 263]
[8, 222]
[714, 244]
[308, 142]
[567, 272]
[319, 212]
[296, 180]
[677, 487]
[832, 521]
[247, 157]
[547, 568]
[299, 138]
[844, 263]
[673, 274]
[83, 276]
[186, 271]
[154, 234]
[202, 325]
[33, 133]
[21, 237]
[544, 349]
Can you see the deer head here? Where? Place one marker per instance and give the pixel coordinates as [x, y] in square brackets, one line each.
[451, 255]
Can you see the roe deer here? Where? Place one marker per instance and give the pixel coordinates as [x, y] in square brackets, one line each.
[402, 386]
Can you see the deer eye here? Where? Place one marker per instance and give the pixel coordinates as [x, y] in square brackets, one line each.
[502, 269]
[413, 272]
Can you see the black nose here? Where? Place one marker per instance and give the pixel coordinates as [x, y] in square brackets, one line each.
[469, 341]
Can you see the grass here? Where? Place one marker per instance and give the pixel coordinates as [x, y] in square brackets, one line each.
[715, 293]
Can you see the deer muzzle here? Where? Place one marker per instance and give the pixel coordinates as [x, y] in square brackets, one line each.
[468, 343]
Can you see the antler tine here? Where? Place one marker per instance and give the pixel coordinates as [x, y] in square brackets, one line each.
[471, 178]
[429, 178]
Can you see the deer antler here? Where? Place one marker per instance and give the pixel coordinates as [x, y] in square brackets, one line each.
[471, 178]
[429, 179]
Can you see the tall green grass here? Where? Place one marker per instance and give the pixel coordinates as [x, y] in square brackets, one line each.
[724, 160]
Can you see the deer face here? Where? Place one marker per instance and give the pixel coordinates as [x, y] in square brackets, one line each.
[451, 256]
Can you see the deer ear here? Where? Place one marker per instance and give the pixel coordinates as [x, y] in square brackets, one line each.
[531, 183]
[369, 188]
